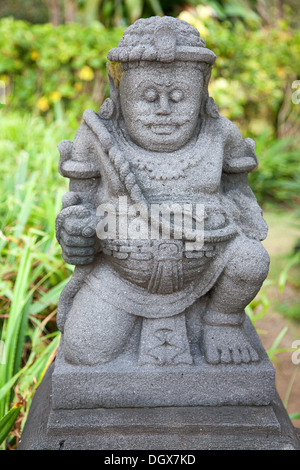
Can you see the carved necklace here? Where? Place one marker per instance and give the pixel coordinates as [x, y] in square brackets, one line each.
[169, 166]
[166, 170]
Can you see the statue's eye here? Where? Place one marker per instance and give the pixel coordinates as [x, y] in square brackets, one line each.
[150, 94]
[176, 95]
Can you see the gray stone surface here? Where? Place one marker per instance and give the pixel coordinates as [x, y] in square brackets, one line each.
[158, 143]
[181, 428]
[165, 235]
[123, 383]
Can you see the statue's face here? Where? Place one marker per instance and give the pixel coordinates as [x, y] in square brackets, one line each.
[161, 104]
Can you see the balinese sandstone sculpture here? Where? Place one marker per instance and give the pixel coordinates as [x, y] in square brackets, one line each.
[159, 140]
[165, 235]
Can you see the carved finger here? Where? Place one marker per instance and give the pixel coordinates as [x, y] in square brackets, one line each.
[78, 260]
[89, 231]
[70, 199]
[77, 227]
[69, 240]
[78, 251]
[69, 213]
[78, 211]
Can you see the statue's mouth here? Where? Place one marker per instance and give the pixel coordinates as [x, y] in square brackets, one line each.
[163, 129]
[163, 125]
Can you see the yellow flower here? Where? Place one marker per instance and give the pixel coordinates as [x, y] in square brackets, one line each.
[194, 21]
[86, 73]
[34, 55]
[281, 72]
[55, 96]
[4, 79]
[205, 12]
[43, 104]
[78, 86]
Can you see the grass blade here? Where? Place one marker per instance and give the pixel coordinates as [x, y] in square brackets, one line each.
[12, 334]
[7, 422]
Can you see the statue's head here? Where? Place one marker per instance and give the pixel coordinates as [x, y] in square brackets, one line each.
[159, 76]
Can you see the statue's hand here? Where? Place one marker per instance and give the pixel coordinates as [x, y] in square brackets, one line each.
[76, 230]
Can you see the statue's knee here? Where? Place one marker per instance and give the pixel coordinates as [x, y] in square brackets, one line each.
[91, 351]
[249, 263]
[95, 333]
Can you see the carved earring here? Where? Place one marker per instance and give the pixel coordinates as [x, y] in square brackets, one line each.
[107, 109]
[211, 108]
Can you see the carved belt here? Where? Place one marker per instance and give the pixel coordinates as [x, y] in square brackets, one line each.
[167, 272]
[160, 266]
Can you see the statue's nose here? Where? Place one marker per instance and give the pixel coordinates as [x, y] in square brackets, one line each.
[164, 106]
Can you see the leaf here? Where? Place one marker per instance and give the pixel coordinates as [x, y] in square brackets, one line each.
[274, 348]
[156, 7]
[50, 298]
[37, 369]
[10, 383]
[14, 331]
[134, 9]
[8, 420]
[50, 359]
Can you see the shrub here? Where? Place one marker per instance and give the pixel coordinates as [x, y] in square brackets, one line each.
[50, 69]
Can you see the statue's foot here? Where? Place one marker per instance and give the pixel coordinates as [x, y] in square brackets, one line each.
[227, 345]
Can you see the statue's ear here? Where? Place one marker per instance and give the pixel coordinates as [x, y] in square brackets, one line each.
[111, 108]
[211, 108]
[107, 110]
[208, 107]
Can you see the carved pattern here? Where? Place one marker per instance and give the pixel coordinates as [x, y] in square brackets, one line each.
[164, 342]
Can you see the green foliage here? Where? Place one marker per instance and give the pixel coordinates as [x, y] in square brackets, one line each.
[125, 12]
[32, 271]
[60, 71]
[50, 69]
[278, 178]
[44, 66]
[7, 421]
[252, 85]
[34, 11]
[254, 71]
[259, 308]
[291, 273]
[52, 74]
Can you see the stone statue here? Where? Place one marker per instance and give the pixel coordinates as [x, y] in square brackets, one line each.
[165, 235]
[159, 139]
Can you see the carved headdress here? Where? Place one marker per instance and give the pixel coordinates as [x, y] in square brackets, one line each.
[161, 39]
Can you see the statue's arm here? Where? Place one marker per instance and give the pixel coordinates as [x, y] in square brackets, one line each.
[239, 160]
[76, 223]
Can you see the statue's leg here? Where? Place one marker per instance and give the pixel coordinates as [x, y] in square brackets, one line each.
[224, 340]
[95, 331]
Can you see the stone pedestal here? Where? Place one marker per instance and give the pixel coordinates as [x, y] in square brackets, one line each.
[122, 383]
[182, 428]
[186, 408]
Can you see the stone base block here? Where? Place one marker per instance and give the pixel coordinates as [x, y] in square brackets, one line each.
[123, 383]
[182, 428]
